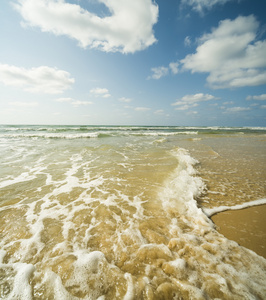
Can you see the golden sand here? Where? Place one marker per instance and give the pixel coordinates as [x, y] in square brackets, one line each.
[247, 227]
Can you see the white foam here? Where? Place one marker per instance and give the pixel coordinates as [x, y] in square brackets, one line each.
[22, 289]
[183, 186]
[179, 263]
[159, 141]
[2, 255]
[25, 176]
[54, 282]
[78, 219]
[130, 295]
[52, 135]
[158, 133]
[212, 211]
[89, 266]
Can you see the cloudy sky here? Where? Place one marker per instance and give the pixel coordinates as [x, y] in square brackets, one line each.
[125, 62]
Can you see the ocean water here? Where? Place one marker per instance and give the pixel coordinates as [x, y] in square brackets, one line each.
[123, 212]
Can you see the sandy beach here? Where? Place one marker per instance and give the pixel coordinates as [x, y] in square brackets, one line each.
[247, 227]
[121, 213]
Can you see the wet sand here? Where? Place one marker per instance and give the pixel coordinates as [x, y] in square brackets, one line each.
[247, 227]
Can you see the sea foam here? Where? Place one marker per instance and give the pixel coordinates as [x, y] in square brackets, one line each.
[214, 210]
[114, 218]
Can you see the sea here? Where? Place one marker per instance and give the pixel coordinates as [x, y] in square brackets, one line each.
[124, 212]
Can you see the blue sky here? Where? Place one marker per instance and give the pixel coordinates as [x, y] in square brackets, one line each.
[141, 62]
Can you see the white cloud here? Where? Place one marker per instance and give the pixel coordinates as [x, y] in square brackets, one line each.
[77, 103]
[142, 109]
[187, 41]
[257, 97]
[37, 80]
[200, 97]
[201, 5]
[189, 101]
[125, 100]
[127, 29]
[159, 72]
[162, 71]
[74, 102]
[100, 92]
[174, 67]
[159, 112]
[237, 109]
[263, 106]
[24, 104]
[194, 112]
[64, 100]
[182, 106]
[231, 55]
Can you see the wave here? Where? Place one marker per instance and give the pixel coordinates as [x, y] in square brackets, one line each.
[57, 136]
[164, 133]
[116, 221]
[75, 132]
[66, 134]
[215, 210]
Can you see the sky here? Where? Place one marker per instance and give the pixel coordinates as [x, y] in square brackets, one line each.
[125, 62]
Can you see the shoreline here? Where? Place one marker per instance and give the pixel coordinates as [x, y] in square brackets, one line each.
[246, 226]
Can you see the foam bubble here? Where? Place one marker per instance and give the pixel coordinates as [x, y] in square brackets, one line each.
[212, 211]
[21, 286]
[2, 255]
[182, 187]
[51, 135]
[130, 294]
[117, 220]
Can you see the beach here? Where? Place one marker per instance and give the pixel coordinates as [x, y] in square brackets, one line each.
[247, 227]
[132, 212]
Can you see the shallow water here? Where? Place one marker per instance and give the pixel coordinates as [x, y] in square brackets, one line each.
[114, 212]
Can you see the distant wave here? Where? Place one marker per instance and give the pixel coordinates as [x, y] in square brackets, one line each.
[54, 136]
[75, 132]
[164, 133]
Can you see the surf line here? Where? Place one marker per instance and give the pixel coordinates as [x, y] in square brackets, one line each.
[209, 212]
